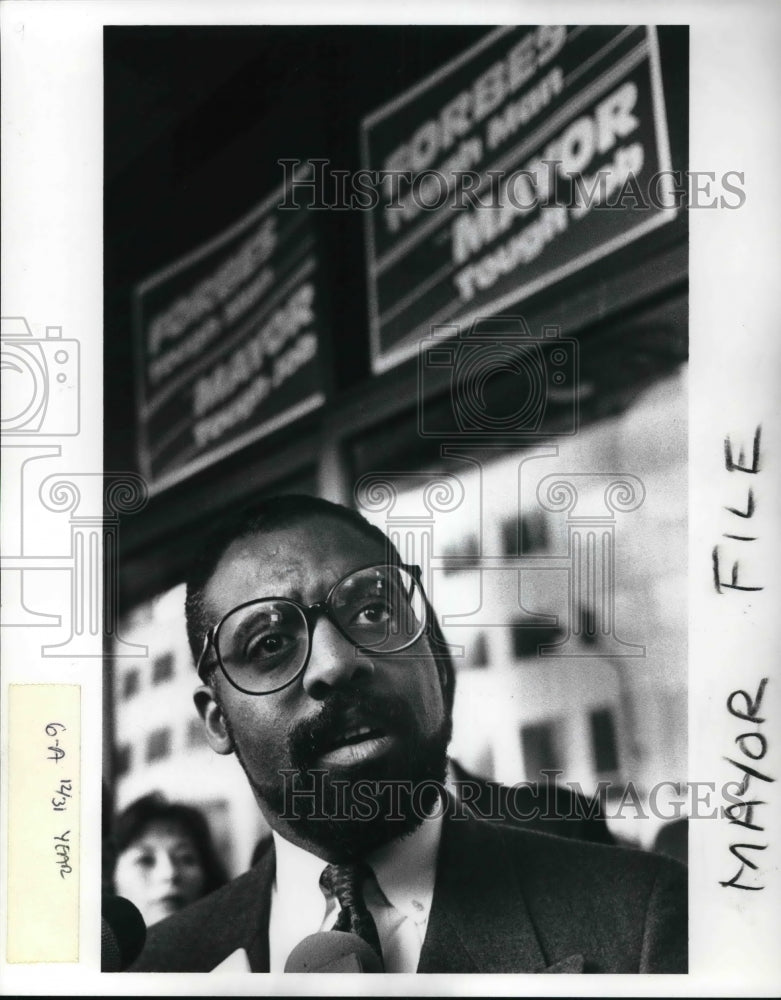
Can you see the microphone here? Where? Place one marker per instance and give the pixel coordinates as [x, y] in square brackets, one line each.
[122, 934]
[333, 951]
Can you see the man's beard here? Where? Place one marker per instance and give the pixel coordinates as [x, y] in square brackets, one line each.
[349, 812]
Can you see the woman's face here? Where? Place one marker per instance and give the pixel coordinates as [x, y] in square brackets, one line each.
[160, 872]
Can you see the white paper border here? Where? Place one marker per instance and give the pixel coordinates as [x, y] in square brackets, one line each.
[52, 274]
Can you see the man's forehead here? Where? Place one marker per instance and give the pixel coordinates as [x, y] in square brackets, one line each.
[297, 560]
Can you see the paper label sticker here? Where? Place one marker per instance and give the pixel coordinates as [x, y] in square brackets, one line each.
[44, 758]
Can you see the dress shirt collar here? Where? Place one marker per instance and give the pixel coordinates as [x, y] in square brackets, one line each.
[405, 870]
[297, 880]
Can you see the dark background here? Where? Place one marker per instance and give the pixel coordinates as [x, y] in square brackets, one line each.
[195, 120]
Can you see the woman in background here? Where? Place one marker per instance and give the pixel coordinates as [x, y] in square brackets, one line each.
[165, 857]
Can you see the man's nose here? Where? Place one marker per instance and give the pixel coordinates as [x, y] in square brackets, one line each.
[333, 661]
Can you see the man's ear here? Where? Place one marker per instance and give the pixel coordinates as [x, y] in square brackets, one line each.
[213, 719]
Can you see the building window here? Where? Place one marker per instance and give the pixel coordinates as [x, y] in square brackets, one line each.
[540, 745]
[590, 624]
[480, 650]
[510, 537]
[163, 668]
[131, 683]
[196, 734]
[533, 528]
[158, 745]
[528, 638]
[123, 759]
[604, 746]
[461, 555]
[534, 532]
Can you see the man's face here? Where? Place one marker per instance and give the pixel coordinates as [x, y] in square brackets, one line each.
[356, 717]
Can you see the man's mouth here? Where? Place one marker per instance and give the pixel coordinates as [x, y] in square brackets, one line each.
[350, 730]
[356, 743]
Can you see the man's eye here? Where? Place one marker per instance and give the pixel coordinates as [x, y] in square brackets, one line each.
[145, 861]
[374, 614]
[269, 645]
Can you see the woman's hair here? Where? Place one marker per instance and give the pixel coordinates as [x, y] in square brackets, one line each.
[133, 821]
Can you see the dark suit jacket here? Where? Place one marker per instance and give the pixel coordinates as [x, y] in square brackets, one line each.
[505, 900]
[550, 808]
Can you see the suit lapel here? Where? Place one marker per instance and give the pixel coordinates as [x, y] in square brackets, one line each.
[479, 921]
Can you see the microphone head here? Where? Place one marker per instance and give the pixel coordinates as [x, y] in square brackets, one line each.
[333, 951]
[122, 934]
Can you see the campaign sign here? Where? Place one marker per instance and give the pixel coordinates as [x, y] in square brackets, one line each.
[535, 153]
[228, 341]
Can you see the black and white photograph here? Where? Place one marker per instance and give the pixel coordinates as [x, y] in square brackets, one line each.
[487, 367]
[391, 546]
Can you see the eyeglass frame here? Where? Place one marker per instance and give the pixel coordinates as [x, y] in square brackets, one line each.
[311, 614]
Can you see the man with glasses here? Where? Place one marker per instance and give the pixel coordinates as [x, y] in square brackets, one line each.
[323, 670]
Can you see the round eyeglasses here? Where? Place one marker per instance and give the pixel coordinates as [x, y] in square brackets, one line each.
[263, 645]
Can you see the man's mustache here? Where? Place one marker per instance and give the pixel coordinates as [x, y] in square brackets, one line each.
[341, 712]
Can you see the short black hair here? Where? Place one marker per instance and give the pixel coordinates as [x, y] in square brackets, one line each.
[279, 512]
[132, 823]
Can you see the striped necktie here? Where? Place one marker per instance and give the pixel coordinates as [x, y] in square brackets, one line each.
[344, 882]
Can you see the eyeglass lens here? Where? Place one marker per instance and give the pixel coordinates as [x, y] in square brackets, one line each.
[264, 644]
